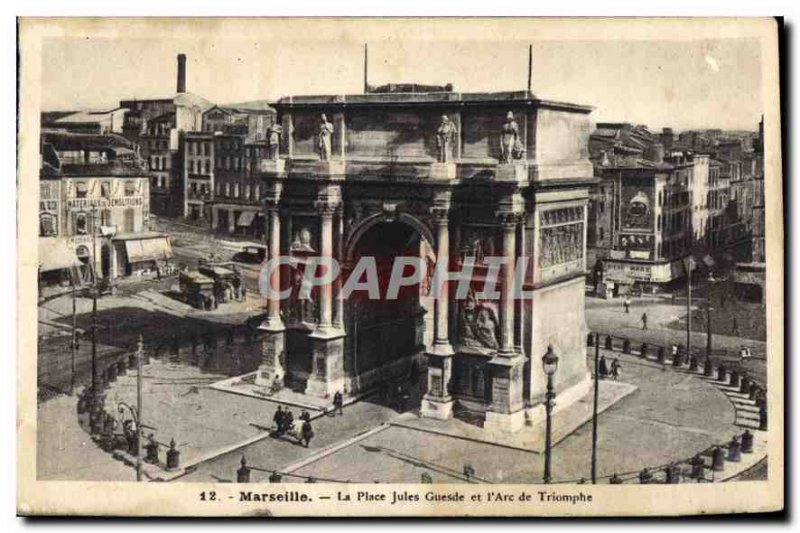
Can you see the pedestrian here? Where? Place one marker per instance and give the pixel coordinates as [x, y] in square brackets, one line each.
[616, 367]
[305, 416]
[288, 420]
[278, 418]
[603, 367]
[644, 320]
[735, 327]
[338, 402]
[627, 304]
[307, 433]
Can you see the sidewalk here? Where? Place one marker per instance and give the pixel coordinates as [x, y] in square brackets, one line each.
[531, 437]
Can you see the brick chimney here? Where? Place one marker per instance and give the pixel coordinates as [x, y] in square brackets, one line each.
[181, 73]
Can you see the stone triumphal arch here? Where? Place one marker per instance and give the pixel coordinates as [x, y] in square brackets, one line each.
[435, 174]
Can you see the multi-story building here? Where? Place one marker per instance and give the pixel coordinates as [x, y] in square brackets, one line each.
[97, 122]
[237, 186]
[196, 162]
[94, 209]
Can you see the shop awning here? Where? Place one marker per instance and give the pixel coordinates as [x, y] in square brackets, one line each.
[155, 249]
[56, 254]
[246, 218]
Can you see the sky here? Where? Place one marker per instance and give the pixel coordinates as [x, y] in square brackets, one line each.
[679, 84]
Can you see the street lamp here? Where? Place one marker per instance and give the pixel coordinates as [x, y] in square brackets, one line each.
[550, 365]
[711, 282]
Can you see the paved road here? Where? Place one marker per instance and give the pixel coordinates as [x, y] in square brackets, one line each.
[609, 317]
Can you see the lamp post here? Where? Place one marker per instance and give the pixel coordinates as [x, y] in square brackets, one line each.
[688, 265]
[550, 365]
[711, 282]
[594, 407]
[136, 412]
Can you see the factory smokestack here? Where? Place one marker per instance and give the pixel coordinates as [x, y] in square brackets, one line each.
[181, 73]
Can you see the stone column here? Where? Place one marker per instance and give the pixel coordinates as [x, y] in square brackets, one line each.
[506, 412]
[437, 402]
[338, 303]
[273, 344]
[508, 221]
[327, 374]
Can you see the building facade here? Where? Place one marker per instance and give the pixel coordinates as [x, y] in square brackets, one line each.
[94, 210]
[438, 174]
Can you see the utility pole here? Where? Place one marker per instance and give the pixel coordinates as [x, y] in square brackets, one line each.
[366, 65]
[688, 306]
[95, 384]
[74, 345]
[596, 401]
[139, 355]
[530, 67]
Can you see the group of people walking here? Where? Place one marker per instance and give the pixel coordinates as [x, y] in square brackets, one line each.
[300, 429]
[603, 370]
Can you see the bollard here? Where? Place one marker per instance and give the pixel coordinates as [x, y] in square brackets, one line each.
[590, 339]
[151, 451]
[609, 343]
[762, 417]
[645, 477]
[693, 363]
[615, 480]
[722, 374]
[673, 475]
[744, 385]
[626, 345]
[133, 443]
[662, 355]
[275, 477]
[698, 466]
[761, 397]
[173, 456]
[708, 368]
[243, 473]
[747, 442]
[735, 378]
[718, 460]
[643, 350]
[753, 392]
[734, 450]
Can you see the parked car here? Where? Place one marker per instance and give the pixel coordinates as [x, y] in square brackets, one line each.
[251, 254]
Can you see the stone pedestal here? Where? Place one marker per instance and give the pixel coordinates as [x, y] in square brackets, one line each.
[437, 402]
[329, 168]
[443, 171]
[511, 173]
[327, 374]
[273, 166]
[273, 347]
[507, 410]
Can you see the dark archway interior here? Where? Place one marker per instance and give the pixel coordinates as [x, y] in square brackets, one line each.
[385, 330]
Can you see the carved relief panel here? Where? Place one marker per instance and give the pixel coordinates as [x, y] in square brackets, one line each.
[561, 242]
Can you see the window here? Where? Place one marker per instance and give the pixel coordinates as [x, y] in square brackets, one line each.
[48, 225]
[602, 234]
[130, 218]
[236, 190]
[80, 224]
[105, 189]
[105, 217]
[154, 180]
[227, 189]
[81, 189]
[130, 188]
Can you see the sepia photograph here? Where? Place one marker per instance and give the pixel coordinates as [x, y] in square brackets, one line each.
[399, 267]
